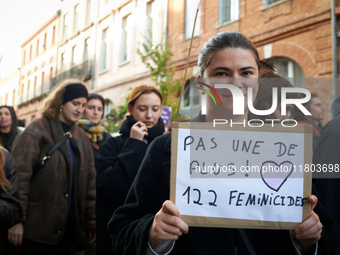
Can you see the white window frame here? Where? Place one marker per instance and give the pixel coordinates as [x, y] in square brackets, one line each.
[234, 11]
[104, 50]
[125, 39]
[190, 12]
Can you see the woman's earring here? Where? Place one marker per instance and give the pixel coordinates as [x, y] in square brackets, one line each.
[61, 109]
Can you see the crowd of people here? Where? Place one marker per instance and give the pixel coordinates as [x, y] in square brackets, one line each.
[69, 187]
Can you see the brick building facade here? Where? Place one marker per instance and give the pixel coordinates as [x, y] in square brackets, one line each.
[295, 35]
[98, 40]
[38, 68]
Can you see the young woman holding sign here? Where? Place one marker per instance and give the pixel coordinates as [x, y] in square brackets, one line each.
[120, 157]
[150, 223]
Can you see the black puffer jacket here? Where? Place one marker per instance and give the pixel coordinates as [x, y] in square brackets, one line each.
[130, 225]
[10, 208]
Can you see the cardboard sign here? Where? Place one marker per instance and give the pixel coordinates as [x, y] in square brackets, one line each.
[241, 177]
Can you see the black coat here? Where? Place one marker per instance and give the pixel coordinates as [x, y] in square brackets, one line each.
[106, 136]
[130, 224]
[118, 161]
[328, 152]
[10, 207]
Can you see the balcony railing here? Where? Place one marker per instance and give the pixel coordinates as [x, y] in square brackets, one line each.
[81, 72]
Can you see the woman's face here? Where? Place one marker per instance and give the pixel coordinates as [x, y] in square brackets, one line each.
[5, 117]
[237, 67]
[147, 109]
[94, 111]
[72, 110]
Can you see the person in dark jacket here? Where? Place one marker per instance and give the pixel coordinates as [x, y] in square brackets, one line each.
[315, 107]
[9, 129]
[148, 223]
[10, 207]
[93, 123]
[56, 189]
[327, 183]
[120, 157]
[263, 101]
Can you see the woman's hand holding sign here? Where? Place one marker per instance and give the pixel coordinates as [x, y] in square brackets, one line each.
[309, 232]
[167, 225]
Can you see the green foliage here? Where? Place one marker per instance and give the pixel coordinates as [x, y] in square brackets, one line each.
[116, 115]
[112, 127]
[155, 57]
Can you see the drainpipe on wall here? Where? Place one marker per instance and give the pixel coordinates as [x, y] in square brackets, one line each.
[95, 20]
[166, 23]
[334, 50]
[58, 36]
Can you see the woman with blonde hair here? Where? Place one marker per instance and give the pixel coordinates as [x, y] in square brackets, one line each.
[119, 158]
[56, 177]
[10, 208]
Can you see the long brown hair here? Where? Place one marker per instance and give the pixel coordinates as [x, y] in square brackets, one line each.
[4, 183]
[14, 131]
[55, 99]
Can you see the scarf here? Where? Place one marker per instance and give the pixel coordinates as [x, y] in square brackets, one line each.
[153, 132]
[93, 131]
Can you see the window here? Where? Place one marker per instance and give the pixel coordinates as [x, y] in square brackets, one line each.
[63, 62]
[37, 49]
[75, 56]
[53, 35]
[108, 107]
[268, 2]
[28, 89]
[42, 78]
[51, 73]
[35, 92]
[126, 37]
[191, 100]
[24, 58]
[228, 10]
[88, 11]
[45, 40]
[13, 98]
[31, 52]
[103, 51]
[76, 18]
[290, 70]
[66, 26]
[87, 54]
[150, 29]
[87, 49]
[190, 13]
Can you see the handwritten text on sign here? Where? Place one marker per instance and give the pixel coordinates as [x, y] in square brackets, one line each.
[240, 175]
